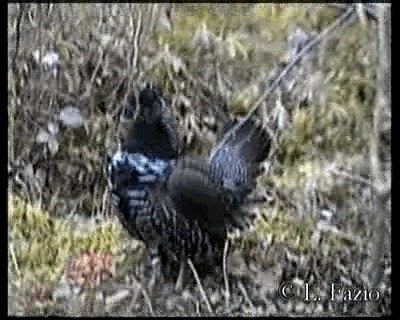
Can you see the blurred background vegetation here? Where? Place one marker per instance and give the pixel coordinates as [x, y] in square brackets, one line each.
[212, 61]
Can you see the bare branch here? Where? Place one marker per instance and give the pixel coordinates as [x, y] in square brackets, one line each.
[380, 151]
[226, 280]
[203, 293]
[343, 19]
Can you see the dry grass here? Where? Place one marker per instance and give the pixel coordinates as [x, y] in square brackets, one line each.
[211, 67]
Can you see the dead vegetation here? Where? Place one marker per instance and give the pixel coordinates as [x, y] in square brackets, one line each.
[327, 180]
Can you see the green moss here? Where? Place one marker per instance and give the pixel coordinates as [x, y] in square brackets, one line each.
[241, 101]
[294, 233]
[281, 16]
[298, 138]
[294, 177]
[342, 122]
[40, 245]
[235, 34]
[336, 241]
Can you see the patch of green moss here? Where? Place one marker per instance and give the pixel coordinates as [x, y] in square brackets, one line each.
[246, 243]
[342, 122]
[336, 241]
[40, 245]
[292, 177]
[341, 126]
[250, 33]
[294, 233]
[350, 98]
[281, 16]
[268, 20]
[241, 101]
[298, 138]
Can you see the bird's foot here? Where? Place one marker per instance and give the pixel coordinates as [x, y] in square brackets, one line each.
[152, 270]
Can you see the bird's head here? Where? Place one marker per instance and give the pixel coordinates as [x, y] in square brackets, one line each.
[151, 104]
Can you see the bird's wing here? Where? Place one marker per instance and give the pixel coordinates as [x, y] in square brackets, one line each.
[155, 214]
[196, 197]
[156, 221]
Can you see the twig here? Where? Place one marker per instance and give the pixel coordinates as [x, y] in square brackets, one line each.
[204, 86]
[226, 280]
[147, 299]
[17, 35]
[246, 296]
[112, 300]
[14, 259]
[268, 94]
[197, 307]
[203, 293]
[368, 8]
[96, 69]
[362, 15]
[145, 295]
[39, 40]
[354, 178]
[136, 43]
[382, 108]
[179, 281]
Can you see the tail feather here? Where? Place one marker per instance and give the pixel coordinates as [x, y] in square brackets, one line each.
[235, 163]
[251, 142]
[254, 148]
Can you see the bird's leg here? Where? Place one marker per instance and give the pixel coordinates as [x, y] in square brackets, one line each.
[152, 269]
[179, 280]
[156, 275]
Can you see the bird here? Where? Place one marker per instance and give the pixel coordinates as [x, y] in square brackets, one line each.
[181, 205]
[154, 132]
